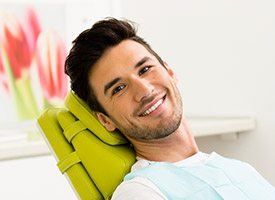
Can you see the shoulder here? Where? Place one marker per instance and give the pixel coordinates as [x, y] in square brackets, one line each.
[137, 188]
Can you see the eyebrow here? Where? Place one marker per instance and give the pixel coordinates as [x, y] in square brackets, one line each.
[142, 61]
[110, 84]
[114, 81]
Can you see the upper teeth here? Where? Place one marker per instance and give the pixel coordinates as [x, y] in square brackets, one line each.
[152, 108]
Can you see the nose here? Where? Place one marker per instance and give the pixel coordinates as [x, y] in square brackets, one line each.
[142, 88]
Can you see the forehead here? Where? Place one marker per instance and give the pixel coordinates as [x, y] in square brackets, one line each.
[115, 62]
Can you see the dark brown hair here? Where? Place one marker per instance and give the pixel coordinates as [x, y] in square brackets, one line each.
[89, 46]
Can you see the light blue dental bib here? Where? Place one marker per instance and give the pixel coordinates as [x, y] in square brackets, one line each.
[218, 178]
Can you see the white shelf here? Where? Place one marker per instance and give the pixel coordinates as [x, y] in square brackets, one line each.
[17, 145]
[207, 126]
[23, 148]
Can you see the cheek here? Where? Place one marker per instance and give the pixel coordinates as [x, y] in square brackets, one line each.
[125, 114]
[161, 76]
[121, 109]
[123, 120]
[112, 107]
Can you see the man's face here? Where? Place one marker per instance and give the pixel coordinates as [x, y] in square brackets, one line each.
[138, 93]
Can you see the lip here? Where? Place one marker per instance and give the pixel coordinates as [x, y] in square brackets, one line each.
[149, 105]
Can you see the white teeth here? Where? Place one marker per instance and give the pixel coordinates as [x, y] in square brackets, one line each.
[154, 107]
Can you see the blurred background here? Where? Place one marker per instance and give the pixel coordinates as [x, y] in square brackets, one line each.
[222, 52]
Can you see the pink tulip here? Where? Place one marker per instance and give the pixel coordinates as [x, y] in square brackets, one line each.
[19, 40]
[31, 27]
[14, 43]
[50, 58]
[17, 48]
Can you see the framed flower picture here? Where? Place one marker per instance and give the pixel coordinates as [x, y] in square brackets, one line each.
[34, 41]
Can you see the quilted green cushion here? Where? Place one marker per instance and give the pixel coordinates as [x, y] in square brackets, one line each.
[94, 159]
[77, 174]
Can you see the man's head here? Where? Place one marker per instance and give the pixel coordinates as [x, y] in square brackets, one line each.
[124, 81]
[89, 47]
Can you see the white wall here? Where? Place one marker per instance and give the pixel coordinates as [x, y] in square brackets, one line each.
[224, 54]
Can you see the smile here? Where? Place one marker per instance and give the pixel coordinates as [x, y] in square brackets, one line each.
[153, 107]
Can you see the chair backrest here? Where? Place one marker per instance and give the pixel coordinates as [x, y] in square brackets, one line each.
[94, 160]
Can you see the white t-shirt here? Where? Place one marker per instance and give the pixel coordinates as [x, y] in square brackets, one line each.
[142, 188]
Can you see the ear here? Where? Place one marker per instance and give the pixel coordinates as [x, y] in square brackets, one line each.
[106, 121]
[171, 72]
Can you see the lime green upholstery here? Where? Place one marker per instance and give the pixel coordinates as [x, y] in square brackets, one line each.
[94, 160]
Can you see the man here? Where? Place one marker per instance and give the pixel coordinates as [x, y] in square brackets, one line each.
[133, 90]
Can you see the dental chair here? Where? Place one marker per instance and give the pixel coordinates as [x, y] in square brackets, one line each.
[94, 160]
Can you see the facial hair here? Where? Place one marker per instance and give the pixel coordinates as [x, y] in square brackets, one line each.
[163, 129]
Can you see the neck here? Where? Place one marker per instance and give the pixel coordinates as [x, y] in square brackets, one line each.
[175, 147]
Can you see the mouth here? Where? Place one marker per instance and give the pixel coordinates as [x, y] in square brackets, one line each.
[153, 107]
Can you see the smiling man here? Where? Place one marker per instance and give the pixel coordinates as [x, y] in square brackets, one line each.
[139, 93]
[133, 90]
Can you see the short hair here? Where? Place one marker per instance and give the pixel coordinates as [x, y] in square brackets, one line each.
[87, 49]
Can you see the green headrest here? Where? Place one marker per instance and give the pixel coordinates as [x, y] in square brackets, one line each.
[63, 151]
[94, 159]
[81, 111]
[106, 164]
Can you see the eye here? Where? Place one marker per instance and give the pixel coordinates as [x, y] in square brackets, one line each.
[118, 89]
[144, 70]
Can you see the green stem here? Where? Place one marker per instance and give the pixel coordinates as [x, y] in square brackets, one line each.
[21, 92]
[21, 111]
[23, 86]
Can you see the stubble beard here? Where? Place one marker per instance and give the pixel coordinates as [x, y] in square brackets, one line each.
[165, 127]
